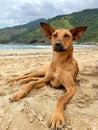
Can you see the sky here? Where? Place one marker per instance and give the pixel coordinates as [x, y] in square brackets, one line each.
[17, 12]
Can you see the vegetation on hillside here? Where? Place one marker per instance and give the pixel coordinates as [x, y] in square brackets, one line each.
[32, 30]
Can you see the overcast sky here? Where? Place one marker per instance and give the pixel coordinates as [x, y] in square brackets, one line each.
[16, 12]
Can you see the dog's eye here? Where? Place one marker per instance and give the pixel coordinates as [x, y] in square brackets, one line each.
[54, 35]
[66, 36]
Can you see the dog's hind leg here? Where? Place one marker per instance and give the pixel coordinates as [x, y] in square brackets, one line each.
[26, 80]
[36, 84]
[40, 73]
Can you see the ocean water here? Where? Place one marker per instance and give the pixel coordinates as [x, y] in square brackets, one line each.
[30, 46]
[22, 46]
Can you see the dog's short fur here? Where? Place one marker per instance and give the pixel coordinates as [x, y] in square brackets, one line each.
[62, 70]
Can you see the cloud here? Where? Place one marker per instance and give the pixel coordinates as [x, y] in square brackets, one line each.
[15, 12]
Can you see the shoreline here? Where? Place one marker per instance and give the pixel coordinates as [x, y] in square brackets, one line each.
[22, 52]
[31, 46]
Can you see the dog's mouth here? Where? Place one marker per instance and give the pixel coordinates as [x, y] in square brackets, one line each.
[59, 49]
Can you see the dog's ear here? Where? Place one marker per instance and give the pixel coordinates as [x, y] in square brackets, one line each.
[47, 30]
[77, 32]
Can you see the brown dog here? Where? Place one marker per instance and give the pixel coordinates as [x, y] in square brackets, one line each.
[62, 70]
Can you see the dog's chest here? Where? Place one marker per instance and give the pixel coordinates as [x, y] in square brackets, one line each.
[55, 79]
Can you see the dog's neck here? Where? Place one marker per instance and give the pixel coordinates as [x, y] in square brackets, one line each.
[61, 57]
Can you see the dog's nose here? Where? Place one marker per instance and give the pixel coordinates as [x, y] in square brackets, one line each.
[58, 43]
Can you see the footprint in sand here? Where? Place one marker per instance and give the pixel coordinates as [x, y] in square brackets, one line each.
[96, 65]
[2, 93]
[83, 100]
[81, 80]
[95, 86]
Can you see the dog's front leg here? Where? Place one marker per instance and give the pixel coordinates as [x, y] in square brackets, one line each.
[58, 120]
[36, 84]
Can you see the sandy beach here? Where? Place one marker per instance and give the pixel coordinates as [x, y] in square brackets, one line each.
[34, 111]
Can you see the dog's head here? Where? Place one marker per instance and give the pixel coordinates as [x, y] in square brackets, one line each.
[62, 39]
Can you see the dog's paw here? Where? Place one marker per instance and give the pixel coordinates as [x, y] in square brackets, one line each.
[23, 81]
[17, 78]
[57, 122]
[17, 96]
[10, 80]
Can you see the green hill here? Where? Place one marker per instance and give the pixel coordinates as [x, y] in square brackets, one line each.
[32, 30]
[14, 34]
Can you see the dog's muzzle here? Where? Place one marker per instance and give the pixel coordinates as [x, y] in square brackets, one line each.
[58, 46]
